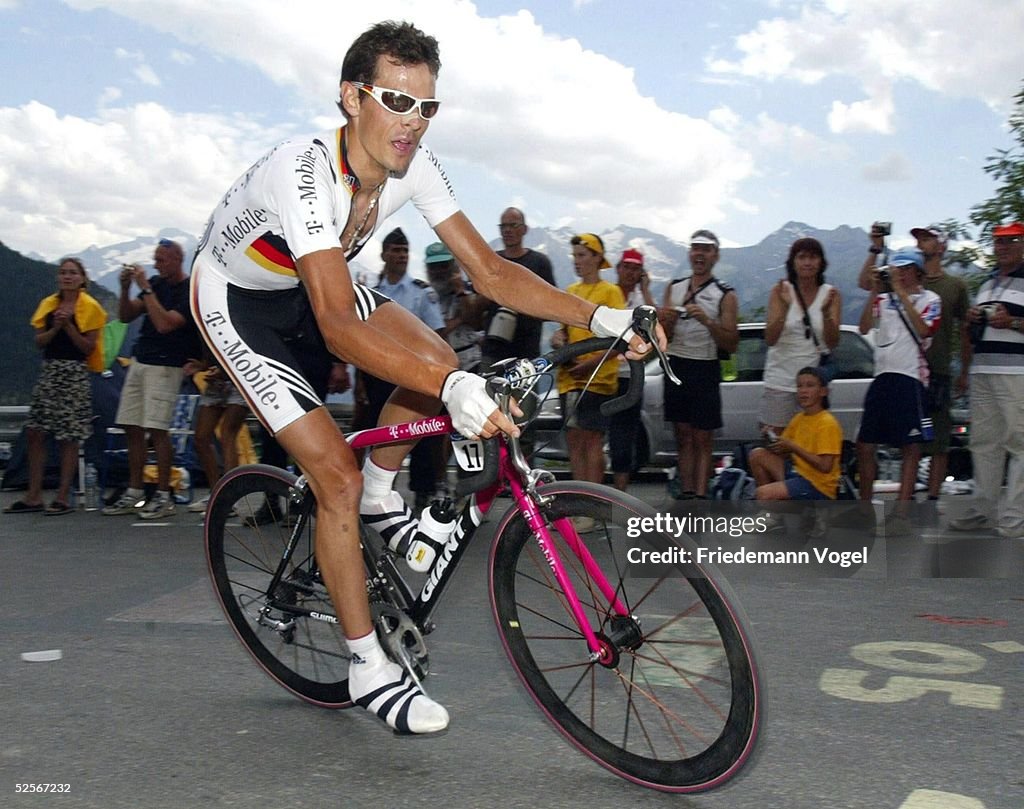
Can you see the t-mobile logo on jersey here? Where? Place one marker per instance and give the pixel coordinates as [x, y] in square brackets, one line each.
[244, 365]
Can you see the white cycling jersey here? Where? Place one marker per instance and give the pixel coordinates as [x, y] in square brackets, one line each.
[296, 200]
[246, 296]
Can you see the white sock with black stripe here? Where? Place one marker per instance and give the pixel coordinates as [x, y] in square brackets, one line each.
[387, 690]
[384, 509]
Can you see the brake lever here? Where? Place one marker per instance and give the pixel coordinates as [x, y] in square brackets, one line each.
[645, 319]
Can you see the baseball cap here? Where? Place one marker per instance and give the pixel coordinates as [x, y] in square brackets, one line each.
[592, 242]
[904, 258]
[632, 256]
[704, 237]
[931, 230]
[1013, 229]
[437, 253]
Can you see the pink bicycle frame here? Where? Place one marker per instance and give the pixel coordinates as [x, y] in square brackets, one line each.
[507, 472]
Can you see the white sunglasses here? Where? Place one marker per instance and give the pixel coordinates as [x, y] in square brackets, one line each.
[400, 103]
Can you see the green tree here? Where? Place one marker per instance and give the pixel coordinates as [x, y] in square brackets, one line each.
[1006, 167]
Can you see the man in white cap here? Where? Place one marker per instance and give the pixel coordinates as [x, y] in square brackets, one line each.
[701, 313]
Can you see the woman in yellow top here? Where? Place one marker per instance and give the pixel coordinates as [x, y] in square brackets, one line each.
[585, 425]
[69, 327]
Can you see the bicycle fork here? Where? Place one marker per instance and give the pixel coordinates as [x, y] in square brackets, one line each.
[624, 626]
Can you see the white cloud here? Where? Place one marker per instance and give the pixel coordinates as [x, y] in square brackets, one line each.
[873, 114]
[959, 48]
[521, 104]
[70, 182]
[181, 57]
[794, 142]
[145, 74]
[893, 168]
[108, 96]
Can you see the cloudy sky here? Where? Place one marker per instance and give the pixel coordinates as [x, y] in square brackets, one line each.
[122, 117]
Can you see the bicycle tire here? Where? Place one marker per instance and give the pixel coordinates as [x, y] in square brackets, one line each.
[692, 679]
[309, 658]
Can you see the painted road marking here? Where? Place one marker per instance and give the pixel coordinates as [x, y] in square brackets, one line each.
[951, 660]
[846, 684]
[1005, 646]
[44, 656]
[932, 799]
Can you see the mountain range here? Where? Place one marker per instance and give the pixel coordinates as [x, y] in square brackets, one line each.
[752, 270]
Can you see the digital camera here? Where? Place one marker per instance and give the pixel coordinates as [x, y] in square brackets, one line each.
[881, 228]
[977, 328]
[885, 278]
[986, 311]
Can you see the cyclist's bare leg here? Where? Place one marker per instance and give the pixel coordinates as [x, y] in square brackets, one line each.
[329, 465]
[406, 405]
[375, 683]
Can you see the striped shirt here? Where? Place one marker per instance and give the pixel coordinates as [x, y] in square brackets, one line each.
[1001, 351]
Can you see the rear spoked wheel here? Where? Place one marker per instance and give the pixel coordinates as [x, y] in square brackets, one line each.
[252, 513]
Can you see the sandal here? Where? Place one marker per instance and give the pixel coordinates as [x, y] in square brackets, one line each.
[21, 507]
[56, 508]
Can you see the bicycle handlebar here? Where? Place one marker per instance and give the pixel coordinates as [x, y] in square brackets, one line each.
[644, 323]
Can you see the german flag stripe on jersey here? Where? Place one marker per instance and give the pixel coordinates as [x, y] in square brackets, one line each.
[271, 253]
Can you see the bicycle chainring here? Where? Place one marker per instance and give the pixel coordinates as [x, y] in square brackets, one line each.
[401, 638]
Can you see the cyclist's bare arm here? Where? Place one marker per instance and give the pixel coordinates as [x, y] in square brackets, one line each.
[512, 285]
[326, 276]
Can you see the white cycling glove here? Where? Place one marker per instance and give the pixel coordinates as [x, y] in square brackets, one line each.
[608, 322]
[465, 395]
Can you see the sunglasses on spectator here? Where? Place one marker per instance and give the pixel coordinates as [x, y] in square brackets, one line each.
[400, 103]
[1007, 239]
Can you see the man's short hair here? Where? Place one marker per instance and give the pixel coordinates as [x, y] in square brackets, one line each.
[396, 237]
[402, 41]
[173, 246]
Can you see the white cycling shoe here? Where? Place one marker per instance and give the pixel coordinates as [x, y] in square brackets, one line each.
[388, 691]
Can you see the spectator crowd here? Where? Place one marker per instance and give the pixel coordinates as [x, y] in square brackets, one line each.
[933, 341]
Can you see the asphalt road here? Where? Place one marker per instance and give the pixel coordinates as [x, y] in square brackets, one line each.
[884, 692]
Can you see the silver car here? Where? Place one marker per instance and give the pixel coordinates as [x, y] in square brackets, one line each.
[741, 392]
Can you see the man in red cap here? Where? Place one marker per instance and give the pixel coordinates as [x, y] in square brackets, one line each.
[624, 432]
[997, 390]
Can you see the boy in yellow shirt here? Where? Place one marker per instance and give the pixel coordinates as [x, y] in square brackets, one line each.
[802, 463]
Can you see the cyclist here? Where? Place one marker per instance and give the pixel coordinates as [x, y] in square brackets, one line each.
[272, 293]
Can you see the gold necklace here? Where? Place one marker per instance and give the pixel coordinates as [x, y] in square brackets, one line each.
[369, 210]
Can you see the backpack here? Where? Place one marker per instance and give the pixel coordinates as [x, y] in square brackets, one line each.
[732, 484]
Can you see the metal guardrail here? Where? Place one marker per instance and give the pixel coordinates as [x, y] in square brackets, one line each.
[12, 419]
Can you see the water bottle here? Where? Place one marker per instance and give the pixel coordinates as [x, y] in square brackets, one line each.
[92, 490]
[436, 524]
